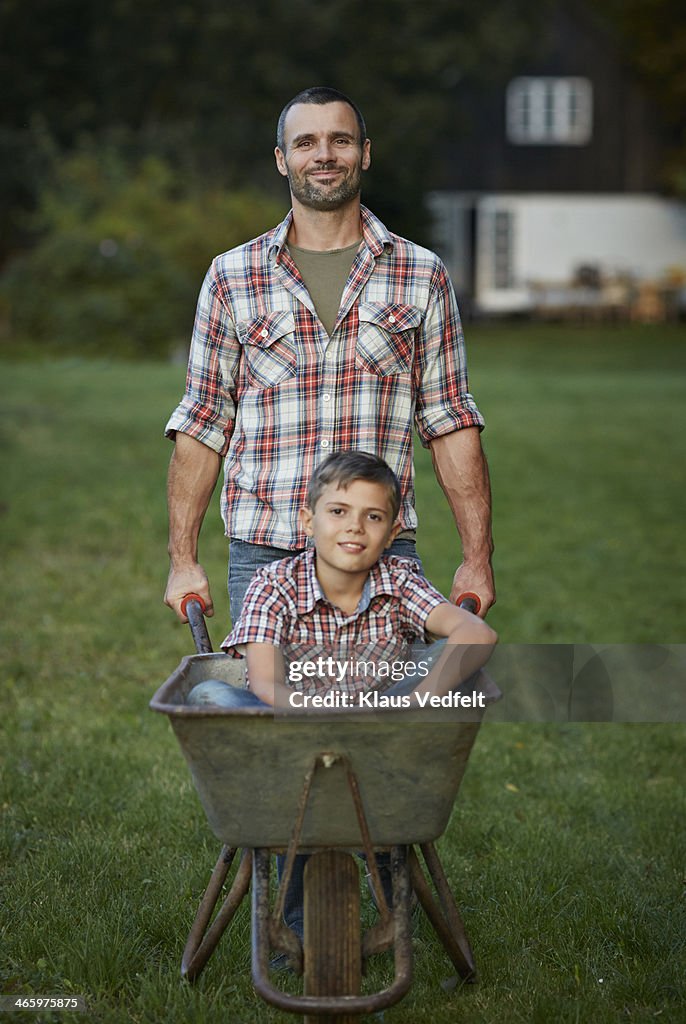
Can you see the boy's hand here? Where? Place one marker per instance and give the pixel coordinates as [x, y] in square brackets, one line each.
[190, 580]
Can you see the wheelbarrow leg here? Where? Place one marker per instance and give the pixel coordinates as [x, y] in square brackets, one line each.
[442, 912]
[203, 940]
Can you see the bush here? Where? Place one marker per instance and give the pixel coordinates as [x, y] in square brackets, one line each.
[121, 253]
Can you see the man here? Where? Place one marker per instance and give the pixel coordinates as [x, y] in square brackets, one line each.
[326, 333]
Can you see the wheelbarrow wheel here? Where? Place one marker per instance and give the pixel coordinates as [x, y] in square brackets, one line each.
[332, 946]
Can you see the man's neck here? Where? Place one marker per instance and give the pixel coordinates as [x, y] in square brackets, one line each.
[323, 230]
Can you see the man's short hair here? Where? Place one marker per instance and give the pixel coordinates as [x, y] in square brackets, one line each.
[343, 468]
[321, 95]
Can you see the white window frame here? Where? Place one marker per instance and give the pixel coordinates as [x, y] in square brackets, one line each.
[549, 111]
[503, 244]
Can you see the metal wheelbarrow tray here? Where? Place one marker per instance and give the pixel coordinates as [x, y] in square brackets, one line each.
[326, 783]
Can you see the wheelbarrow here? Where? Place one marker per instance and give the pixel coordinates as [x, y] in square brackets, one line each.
[332, 784]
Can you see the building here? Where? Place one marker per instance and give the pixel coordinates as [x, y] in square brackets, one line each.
[550, 200]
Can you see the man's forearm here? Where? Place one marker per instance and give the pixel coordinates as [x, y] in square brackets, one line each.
[193, 473]
[461, 470]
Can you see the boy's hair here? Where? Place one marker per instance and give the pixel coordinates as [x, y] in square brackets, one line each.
[343, 468]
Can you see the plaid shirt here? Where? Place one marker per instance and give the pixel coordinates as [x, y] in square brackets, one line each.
[284, 606]
[270, 390]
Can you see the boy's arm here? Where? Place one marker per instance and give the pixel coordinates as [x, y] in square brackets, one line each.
[267, 674]
[448, 620]
[470, 643]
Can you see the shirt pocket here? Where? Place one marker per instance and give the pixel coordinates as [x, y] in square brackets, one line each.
[269, 348]
[385, 337]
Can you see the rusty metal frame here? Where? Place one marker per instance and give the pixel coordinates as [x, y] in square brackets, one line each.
[202, 939]
[269, 933]
[442, 911]
[377, 938]
[402, 941]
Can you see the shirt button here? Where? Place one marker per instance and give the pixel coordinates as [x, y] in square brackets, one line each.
[325, 443]
[264, 333]
[326, 397]
[391, 319]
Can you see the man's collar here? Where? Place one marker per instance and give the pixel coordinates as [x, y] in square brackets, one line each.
[280, 235]
[376, 235]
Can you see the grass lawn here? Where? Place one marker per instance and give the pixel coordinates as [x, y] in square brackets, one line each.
[566, 849]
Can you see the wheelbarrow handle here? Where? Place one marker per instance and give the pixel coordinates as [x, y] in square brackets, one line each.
[470, 602]
[193, 607]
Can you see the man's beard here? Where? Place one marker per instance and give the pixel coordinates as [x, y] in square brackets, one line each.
[309, 193]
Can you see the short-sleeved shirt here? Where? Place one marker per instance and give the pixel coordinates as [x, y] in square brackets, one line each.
[270, 390]
[284, 606]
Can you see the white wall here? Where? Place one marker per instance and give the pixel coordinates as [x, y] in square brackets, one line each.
[554, 234]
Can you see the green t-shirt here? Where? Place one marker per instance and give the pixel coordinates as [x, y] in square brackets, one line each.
[325, 274]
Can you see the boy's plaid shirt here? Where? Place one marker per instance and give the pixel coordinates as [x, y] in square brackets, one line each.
[268, 389]
[284, 606]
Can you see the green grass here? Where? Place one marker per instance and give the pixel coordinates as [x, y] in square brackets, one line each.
[587, 449]
[566, 847]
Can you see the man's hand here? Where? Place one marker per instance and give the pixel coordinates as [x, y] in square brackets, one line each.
[475, 580]
[191, 580]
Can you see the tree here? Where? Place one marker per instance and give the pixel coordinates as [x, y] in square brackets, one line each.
[121, 253]
[653, 37]
[201, 83]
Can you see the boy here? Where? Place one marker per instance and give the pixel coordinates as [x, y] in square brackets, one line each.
[342, 600]
[341, 603]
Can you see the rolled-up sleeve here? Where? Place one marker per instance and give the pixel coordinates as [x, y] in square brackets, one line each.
[208, 408]
[443, 402]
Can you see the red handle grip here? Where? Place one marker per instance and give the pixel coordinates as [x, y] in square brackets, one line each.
[469, 599]
[193, 597]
